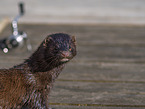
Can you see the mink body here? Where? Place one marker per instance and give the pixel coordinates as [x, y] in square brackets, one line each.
[28, 85]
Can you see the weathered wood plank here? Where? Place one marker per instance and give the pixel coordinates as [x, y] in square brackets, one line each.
[104, 71]
[92, 107]
[111, 52]
[98, 93]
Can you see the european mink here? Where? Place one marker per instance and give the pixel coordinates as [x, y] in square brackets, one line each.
[28, 84]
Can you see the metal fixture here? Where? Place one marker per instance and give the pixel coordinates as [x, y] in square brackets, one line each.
[18, 38]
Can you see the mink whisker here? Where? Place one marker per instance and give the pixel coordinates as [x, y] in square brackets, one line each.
[28, 85]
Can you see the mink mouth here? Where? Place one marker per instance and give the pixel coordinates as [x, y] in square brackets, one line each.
[64, 60]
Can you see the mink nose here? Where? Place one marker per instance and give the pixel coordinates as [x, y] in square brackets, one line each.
[66, 54]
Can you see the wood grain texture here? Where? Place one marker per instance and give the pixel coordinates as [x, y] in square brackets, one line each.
[108, 72]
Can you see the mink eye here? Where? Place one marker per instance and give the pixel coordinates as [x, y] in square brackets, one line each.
[56, 49]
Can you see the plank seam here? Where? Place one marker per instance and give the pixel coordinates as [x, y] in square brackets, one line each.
[101, 81]
[95, 105]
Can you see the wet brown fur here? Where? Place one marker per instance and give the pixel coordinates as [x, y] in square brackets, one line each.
[26, 85]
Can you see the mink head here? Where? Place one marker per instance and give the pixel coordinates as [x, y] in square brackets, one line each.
[55, 50]
[59, 48]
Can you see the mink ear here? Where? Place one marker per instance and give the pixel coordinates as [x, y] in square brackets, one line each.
[74, 39]
[46, 41]
[49, 38]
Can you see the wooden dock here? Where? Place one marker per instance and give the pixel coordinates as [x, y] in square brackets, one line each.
[107, 73]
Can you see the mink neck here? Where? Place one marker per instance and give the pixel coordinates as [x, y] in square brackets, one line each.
[38, 63]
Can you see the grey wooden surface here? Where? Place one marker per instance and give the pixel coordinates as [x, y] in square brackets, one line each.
[77, 11]
[107, 73]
